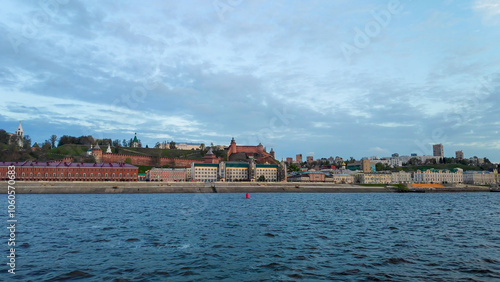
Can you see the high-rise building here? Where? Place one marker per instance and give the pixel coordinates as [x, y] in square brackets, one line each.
[437, 150]
[459, 155]
[298, 158]
[310, 159]
[366, 166]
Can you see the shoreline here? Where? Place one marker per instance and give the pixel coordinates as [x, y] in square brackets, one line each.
[79, 187]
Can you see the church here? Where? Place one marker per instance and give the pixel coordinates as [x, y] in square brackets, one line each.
[18, 135]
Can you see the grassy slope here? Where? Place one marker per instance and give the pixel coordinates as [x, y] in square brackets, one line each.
[71, 150]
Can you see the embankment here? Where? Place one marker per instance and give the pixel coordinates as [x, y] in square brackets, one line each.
[75, 187]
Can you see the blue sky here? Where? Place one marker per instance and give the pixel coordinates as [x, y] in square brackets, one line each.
[323, 78]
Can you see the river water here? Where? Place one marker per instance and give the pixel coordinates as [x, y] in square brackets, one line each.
[213, 237]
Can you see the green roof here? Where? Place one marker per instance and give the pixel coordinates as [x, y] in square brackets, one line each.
[206, 165]
[245, 165]
[266, 165]
[135, 139]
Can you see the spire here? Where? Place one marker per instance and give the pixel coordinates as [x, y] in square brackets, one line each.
[135, 139]
[97, 147]
[109, 149]
[19, 128]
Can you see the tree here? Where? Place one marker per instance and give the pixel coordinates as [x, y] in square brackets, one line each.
[116, 143]
[171, 145]
[46, 146]
[27, 141]
[124, 143]
[53, 140]
[262, 178]
[293, 167]
[128, 161]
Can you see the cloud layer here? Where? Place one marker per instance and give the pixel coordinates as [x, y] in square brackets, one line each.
[276, 72]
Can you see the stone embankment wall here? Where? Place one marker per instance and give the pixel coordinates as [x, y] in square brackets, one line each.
[76, 187]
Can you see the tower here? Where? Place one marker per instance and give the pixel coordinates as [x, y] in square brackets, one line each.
[135, 142]
[437, 150]
[272, 153]
[97, 153]
[20, 135]
[108, 150]
[232, 148]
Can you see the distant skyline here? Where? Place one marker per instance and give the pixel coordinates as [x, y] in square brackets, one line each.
[321, 78]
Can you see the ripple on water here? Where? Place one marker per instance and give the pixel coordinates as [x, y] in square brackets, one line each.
[75, 274]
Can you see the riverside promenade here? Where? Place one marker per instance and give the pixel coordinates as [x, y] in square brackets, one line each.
[76, 187]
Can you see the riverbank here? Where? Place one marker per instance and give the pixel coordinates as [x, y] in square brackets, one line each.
[76, 187]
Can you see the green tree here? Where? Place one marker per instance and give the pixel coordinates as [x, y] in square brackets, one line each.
[262, 178]
[293, 167]
[128, 161]
[53, 139]
[171, 145]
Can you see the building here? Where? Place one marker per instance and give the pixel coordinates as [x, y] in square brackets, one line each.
[298, 158]
[210, 158]
[245, 153]
[479, 177]
[437, 150]
[135, 142]
[64, 171]
[373, 178]
[401, 177]
[167, 174]
[365, 166]
[205, 172]
[435, 176]
[289, 161]
[237, 171]
[187, 146]
[20, 135]
[340, 179]
[269, 171]
[459, 155]
[309, 159]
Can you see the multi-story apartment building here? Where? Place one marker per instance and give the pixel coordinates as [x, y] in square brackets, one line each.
[438, 176]
[340, 179]
[459, 155]
[401, 177]
[205, 172]
[237, 171]
[373, 178]
[167, 174]
[479, 177]
[437, 150]
[269, 171]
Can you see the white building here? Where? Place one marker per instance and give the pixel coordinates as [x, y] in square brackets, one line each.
[435, 176]
[479, 177]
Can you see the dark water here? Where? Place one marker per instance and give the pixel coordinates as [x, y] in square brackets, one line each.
[187, 237]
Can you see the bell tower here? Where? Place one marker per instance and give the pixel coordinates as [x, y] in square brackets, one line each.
[20, 135]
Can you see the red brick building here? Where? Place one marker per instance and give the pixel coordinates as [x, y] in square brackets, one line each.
[167, 174]
[63, 171]
[240, 153]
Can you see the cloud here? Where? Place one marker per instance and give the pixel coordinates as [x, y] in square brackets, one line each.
[489, 9]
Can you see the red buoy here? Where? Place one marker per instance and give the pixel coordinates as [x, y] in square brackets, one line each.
[248, 196]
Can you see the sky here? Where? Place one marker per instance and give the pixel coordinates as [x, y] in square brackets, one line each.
[320, 78]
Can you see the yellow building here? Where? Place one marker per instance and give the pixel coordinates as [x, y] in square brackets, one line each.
[269, 171]
[374, 178]
[204, 172]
